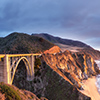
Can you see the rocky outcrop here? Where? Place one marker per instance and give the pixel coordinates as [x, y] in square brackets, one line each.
[48, 82]
[53, 50]
[71, 45]
[57, 88]
[94, 53]
[74, 66]
[60, 75]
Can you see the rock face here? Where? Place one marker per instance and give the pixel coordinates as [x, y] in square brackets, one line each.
[60, 74]
[94, 53]
[74, 66]
[67, 44]
[50, 81]
[53, 50]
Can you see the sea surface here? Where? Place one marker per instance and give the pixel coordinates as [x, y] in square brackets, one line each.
[98, 83]
[98, 77]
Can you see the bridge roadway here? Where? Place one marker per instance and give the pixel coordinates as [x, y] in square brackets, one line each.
[10, 62]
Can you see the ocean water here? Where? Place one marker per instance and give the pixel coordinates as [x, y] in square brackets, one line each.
[98, 77]
[98, 83]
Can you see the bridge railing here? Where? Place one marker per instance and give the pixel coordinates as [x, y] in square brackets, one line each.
[17, 55]
[9, 64]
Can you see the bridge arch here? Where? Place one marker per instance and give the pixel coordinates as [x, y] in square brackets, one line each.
[15, 65]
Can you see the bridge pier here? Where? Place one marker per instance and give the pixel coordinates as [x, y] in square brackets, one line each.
[31, 61]
[7, 74]
[10, 63]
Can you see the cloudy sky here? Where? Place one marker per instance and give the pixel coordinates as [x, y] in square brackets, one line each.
[72, 19]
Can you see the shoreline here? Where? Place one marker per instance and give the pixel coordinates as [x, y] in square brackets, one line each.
[90, 88]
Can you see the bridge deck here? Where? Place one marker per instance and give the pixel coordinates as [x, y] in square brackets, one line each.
[17, 55]
[10, 62]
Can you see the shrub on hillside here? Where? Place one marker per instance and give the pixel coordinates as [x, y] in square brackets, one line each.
[37, 62]
[9, 92]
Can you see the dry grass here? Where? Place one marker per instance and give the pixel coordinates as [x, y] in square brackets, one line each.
[68, 47]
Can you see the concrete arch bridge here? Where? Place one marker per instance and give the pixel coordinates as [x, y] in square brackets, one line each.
[10, 62]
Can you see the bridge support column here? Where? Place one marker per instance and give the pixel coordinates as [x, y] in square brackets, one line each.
[7, 74]
[31, 61]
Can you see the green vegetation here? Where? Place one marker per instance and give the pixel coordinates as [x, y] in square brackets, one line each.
[48, 82]
[9, 92]
[37, 62]
[37, 67]
[58, 88]
[23, 43]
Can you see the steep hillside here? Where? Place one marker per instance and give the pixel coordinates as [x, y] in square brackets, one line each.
[71, 45]
[23, 43]
[48, 83]
[53, 50]
[10, 92]
[74, 66]
[94, 53]
[60, 75]
[60, 40]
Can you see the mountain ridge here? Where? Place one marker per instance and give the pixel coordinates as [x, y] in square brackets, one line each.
[23, 43]
[67, 42]
[60, 72]
[54, 39]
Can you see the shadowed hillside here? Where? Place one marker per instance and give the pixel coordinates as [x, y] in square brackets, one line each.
[60, 40]
[60, 74]
[47, 83]
[75, 66]
[72, 45]
[23, 43]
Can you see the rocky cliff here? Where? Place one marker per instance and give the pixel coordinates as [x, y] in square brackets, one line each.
[74, 66]
[60, 75]
[54, 49]
[71, 45]
[49, 81]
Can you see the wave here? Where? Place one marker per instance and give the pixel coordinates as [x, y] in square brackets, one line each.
[98, 76]
[98, 83]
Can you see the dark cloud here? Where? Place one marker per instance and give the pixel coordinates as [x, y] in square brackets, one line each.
[75, 19]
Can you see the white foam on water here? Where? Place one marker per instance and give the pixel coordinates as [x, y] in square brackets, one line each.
[98, 83]
[98, 76]
[98, 63]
